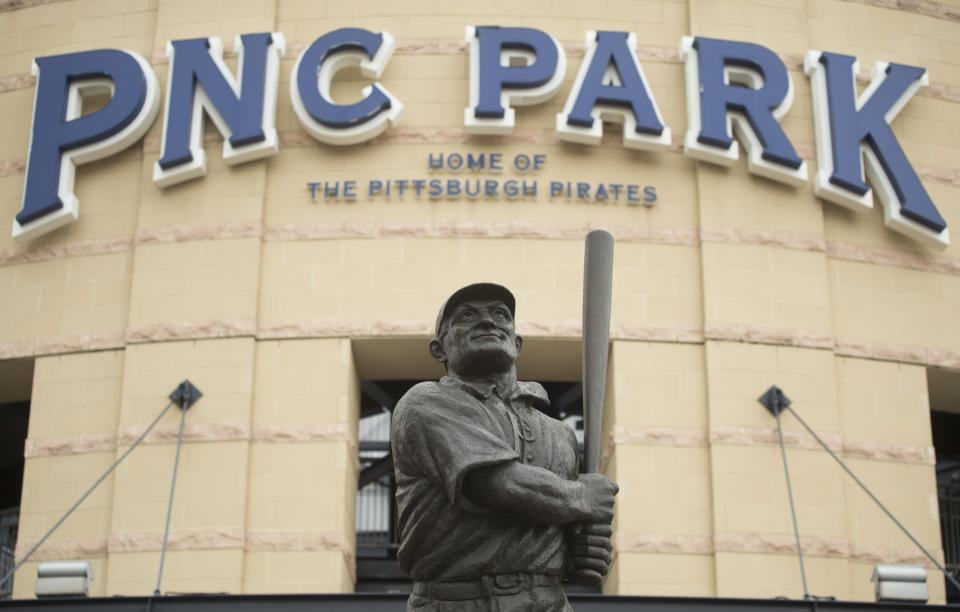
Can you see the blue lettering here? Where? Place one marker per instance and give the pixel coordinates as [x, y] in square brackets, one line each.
[536, 76]
[750, 84]
[472, 193]
[375, 188]
[612, 51]
[649, 194]
[238, 107]
[857, 125]
[343, 124]
[61, 136]
[601, 193]
[475, 163]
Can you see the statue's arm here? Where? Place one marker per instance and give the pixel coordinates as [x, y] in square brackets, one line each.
[538, 495]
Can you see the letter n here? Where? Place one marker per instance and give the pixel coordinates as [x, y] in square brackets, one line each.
[243, 109]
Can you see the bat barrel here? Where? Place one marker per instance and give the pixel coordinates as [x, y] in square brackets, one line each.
[597, 288]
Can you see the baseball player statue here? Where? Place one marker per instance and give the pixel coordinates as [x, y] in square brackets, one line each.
[493, 513]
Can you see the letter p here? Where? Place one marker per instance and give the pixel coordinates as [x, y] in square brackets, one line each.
[519, 66]
[62, 137]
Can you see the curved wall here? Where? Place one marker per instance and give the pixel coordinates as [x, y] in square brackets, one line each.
[276, 304]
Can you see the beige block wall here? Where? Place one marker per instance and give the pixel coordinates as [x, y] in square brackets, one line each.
[303, 468]
[656, 421]
[74, 404]
[703, 499]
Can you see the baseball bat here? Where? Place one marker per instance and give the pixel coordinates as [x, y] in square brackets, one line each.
[597, 287]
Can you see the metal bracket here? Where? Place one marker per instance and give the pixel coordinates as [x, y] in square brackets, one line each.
[185, 395]
[774, 400]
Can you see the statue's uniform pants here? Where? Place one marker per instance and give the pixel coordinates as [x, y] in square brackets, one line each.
[491, 593]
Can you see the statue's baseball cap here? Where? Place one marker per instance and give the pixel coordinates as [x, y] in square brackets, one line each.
[476, 291]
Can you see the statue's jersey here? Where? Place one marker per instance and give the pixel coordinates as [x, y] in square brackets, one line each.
[441, 431]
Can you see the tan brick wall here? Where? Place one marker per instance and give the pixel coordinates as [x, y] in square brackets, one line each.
[239, 281]
[73, 396]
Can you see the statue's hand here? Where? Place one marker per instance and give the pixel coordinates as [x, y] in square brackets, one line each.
[589, 556]
[598, 492]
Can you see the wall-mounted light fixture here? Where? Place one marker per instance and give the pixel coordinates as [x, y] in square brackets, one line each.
[63, 579]
[900, 583]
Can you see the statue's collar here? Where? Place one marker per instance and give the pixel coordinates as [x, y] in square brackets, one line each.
[531, 392]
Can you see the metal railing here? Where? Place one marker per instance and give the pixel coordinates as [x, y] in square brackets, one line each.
[9, 521]
[949, 496]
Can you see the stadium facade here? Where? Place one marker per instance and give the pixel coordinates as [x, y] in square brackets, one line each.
[272, 198]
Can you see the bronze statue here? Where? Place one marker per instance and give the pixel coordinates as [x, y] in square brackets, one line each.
[493, 513]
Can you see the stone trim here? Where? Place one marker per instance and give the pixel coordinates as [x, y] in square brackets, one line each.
[58, 345]
[360, 328]
[883, 554]
[774, 543]
[80, 248]
[926, 8]
[279, 541]
[895, 352]
[321, 432]
[9, 167]
[458, 229]
[186, 233]
[660, 543]
[340, 328]
[891, 257]
[192, 432]
[187, 539]
[12, 5]
[762, 436]
[768, 436]
[817, 546]
[316, 432]
[686, 334]
[69, 445]
[198, 330]
[737, 332]
[472, 229]
[63, 549]
[739, 235]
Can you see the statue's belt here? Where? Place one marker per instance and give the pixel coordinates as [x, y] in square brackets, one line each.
[486, 586]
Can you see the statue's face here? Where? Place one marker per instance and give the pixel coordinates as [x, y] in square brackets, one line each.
[479, 339]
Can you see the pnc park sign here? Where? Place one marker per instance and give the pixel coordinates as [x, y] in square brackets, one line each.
[733, 89]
